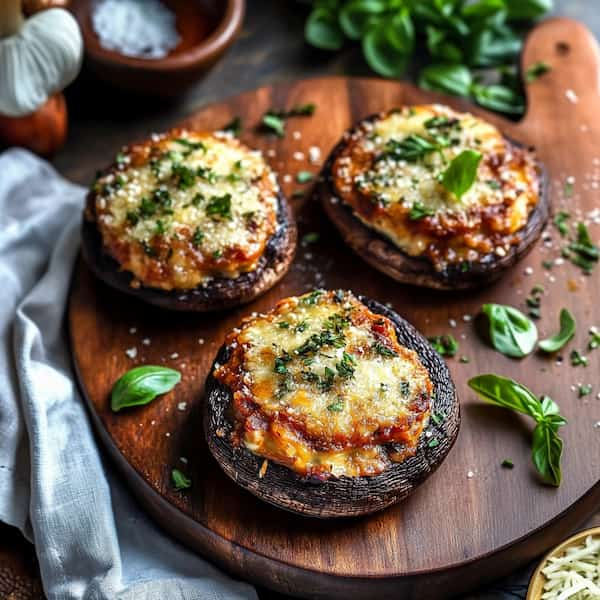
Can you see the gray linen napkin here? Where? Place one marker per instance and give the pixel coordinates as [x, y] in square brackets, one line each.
[91, 539]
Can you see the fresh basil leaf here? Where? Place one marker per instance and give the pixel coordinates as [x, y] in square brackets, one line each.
[413, 147]
[547, 446]
[180, 480]
[419, 211]
[560, 339]
[510, 331]
[141, 385]
[546, 452]
[388, 45]
[445, 345]
[507, 393]
[526, 10]
[499, 98]
[357, 16]
[446, 78]
[323, 30]
[461, 173]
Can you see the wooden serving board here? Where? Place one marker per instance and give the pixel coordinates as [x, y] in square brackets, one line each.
[473, 520]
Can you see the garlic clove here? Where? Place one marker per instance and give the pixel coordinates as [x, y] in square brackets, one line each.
[42, 58]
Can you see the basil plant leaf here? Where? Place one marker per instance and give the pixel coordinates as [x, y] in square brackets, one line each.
[446, 78]
[560, 339]
[141, 385]
[526, 10]
[482, 9]
[441, 47]
[461, 173]
[510, 331]
[323, 30]
[546, 452]
[499, 98]
[491, 47]
[180, 480]
[357, 16]
[388, 45]
[507, 393]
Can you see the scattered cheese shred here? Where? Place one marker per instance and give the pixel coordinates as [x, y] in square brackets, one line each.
[575, 575]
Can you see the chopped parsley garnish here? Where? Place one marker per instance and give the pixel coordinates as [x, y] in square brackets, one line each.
[180, 480]
[433, 443]
[184, 176]
[446, 345]
[437, 418]
[336, 406]
[283, 325]
[419, 211]
[198, 237]
[594, 339]
[507, 463]
[578, 359]
[121, 159]
[345, 368]
[219, 206]
[560, 222]
[160, 227]
[190, 145]
[413, 147]
[147, 207]
[380, 348]
[217, 254]
[281, 363]
[234, 126]
[274, 124]
[304, 176]
[536, 70]
[440, 122]
[132, 217]
[326, 382]
[464, 360]
[301, 327]
[582, 252]
[313, 297]
[584, 390]
[404, 388]
[197, 199]
[495, 185]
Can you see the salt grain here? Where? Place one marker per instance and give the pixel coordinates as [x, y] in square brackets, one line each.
[138, 28]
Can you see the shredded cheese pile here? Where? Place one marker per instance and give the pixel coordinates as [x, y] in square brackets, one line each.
[576, 574]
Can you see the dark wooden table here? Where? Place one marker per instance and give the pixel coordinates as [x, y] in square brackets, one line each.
[270, 49]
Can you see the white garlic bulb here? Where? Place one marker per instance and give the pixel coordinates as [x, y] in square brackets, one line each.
[37, 60]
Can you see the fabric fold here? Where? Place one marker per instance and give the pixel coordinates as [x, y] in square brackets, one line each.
[91, 539]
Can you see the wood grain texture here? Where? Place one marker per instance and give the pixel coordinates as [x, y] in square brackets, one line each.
[472, 521]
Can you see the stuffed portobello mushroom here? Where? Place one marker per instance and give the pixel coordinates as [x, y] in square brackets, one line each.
[434, 197]
[189, 221]
[329, 405]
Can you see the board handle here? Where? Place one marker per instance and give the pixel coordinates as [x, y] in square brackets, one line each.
[570, 91]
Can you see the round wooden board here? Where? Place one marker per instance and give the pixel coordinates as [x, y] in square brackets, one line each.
[472, 521]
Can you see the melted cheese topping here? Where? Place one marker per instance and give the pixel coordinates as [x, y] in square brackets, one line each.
[185, 207]
[321, 385]
[401, 195]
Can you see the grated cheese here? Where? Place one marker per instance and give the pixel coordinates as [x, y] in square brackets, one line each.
[575, 575]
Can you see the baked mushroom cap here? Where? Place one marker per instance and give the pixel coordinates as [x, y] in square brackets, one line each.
[383, 191]
[189, 221]
[343, 434]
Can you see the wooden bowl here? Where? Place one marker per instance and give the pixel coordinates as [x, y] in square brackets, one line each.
[207, 28]
[536, 584]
